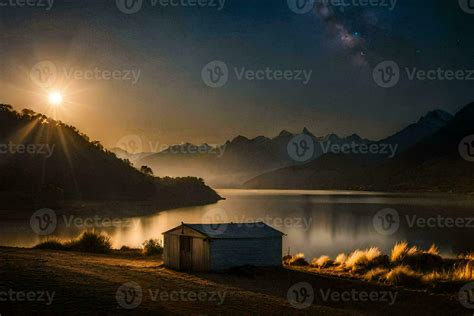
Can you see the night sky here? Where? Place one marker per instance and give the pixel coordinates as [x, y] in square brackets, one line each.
[170, 103]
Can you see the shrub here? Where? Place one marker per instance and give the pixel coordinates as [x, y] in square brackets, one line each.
[423, 261]
[52, 244]
[91, 242]
[88, 242]
[152, 247]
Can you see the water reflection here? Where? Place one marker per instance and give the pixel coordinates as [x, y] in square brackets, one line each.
[315, 222]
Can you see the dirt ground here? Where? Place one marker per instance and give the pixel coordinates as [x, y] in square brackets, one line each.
[91, 284]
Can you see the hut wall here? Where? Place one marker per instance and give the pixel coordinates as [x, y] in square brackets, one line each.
[227, 253]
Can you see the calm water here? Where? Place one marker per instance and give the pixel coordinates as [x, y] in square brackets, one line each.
[315, 222]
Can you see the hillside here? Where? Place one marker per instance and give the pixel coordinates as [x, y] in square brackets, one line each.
[44, 161]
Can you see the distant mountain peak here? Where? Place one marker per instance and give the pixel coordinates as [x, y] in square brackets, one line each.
[437, 115]
[284, 133]
[331, 137]
[354, 137]
[240, 139]
[306, 132]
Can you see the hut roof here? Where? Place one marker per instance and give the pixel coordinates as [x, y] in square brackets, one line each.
[235, 230]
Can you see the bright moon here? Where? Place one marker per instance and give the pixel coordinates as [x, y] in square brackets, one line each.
[55, 98]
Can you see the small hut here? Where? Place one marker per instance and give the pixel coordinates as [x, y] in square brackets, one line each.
[215, 247]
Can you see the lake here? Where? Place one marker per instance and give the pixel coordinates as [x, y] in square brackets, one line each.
[315, 222]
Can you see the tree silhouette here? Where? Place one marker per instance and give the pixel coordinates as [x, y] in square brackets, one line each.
[146, 170]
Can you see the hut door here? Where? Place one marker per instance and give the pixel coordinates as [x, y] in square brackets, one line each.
[185, 246]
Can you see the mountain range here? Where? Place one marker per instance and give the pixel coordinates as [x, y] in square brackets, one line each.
[433, 163]
[257, 162]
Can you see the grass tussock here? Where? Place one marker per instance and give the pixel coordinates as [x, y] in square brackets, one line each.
[362, 259]
[403, 275]
[405, 265]
[322, 262]
[88, 242]
[297, 260]
[340, 259]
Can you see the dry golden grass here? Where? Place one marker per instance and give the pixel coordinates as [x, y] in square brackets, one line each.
[375, 274]
[321, 262]
[467, 256]
[402, 250]
[362, 258]
[403, 275]
[406, 265]
[340, 259]
[298, 260]
[434, 250]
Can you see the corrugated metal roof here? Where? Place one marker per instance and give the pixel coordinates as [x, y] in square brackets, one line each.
[236, 230]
